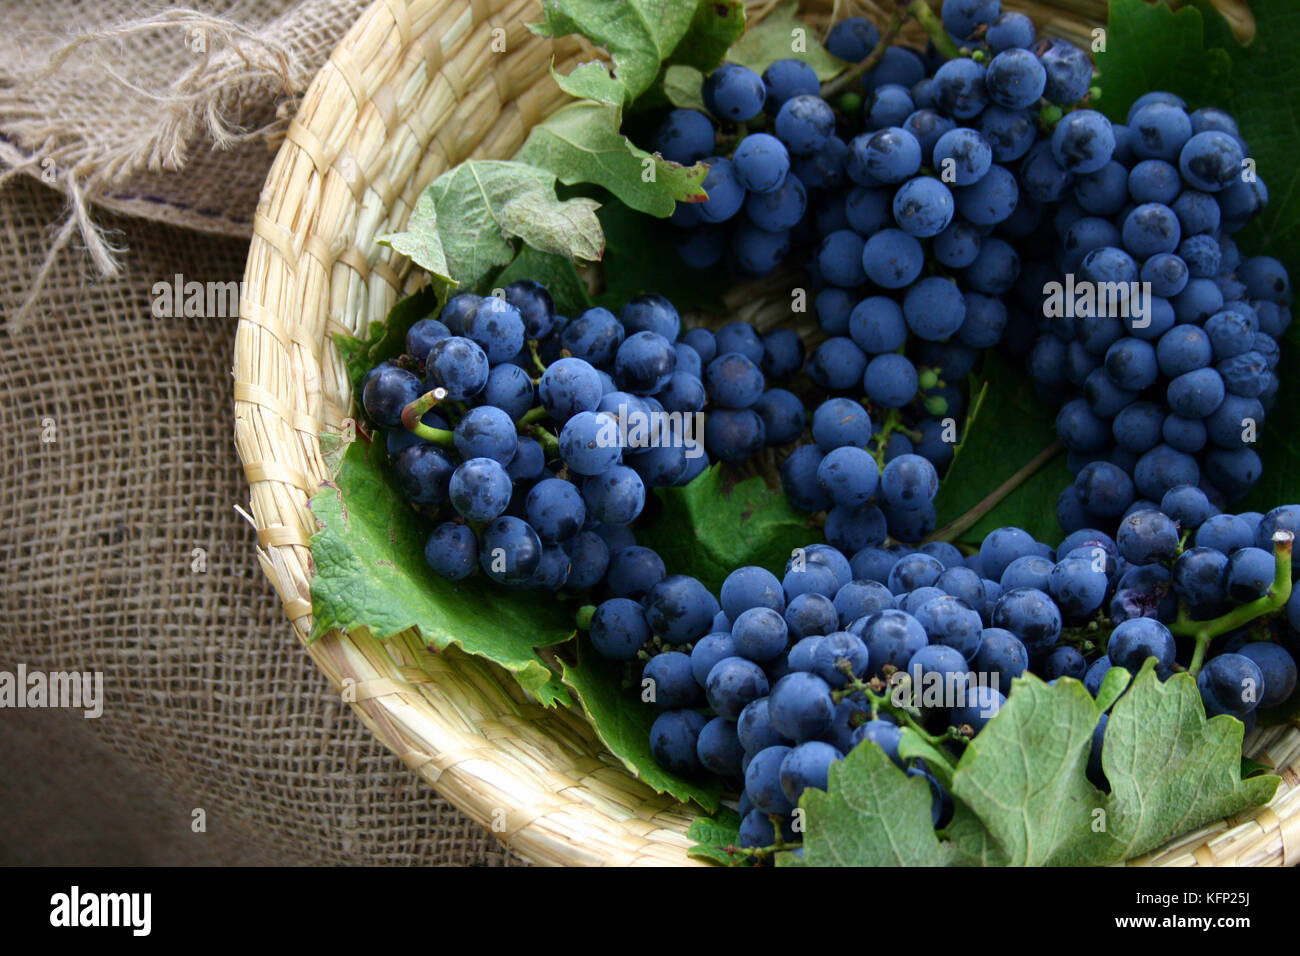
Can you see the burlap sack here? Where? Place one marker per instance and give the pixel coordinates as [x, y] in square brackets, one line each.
[120, 547]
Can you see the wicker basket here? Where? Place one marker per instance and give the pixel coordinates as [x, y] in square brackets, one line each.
[413, 89]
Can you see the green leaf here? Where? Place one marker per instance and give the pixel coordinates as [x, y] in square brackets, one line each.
[387, 339]
[715, 525]
[781, 37]
[1023, 777]
[684, 87]
[639, 34]
[622, 721]
[871, 815]
[1150, 47]
[1011, 426]
[717, 24]
[640, 257]
[581, 143]
[421, 242]
[591, 81]
[371, 573]
[712, 834]
[1021, 793]
[558, 274]
[483, 205]
[1113, 684]
[1170, 770]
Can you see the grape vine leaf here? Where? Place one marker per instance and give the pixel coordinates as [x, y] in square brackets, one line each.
[713, 834]
[684, 87]
[582, 143]
[1021, 794]
[1170, 770]
[488, 203]
[640, 256]
[1152, 47]
[1021, 779]
[370, 572]
[781, 37]
[716, 524]
[420, 241]
[717, 24]
[622, 721]
[1010, 426]
[639, 34]
[591, 81]
[871, 814]
[558, 274]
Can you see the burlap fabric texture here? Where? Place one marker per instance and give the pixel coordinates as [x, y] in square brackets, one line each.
[120, 548]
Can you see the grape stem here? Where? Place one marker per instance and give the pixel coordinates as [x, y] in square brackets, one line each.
[846, 79]
[902, 714]
[1274, 599]
[933, 26]
[550, 444]
[413, 412]
[986, 504]
[532, 416]
[537, 359]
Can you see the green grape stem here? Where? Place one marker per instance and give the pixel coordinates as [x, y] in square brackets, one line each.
[902, 714]
[933, 26]
[550, 444]
[847, 78]
[537, 359]
[413, 412]
[1274, 599]
[532, 416]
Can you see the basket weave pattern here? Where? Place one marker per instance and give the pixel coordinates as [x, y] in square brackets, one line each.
[414, 88]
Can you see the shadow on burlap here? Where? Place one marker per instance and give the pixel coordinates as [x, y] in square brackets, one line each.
[121, 551]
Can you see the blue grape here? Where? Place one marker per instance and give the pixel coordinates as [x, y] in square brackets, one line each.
[1083, 141]
[807, 765]
[891, 380]
[509, 550]
[1029, 614]
[991, 200]
[685, 137]
[726, 194]
[673, 740]
[452, 551]
[1015, 79]
[733, 92]
[783, 416]
[1231, 684]
[804, 123]
[923, 207]
[800, 706]
[680, 609]
[892, 259]
[615, 496]
[851, 38]
[479, 489]
[788, 78]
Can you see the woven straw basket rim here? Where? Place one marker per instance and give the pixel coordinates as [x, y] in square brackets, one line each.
[413, 89]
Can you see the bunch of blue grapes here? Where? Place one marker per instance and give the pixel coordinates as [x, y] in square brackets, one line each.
[911, 204]
[771, 681]
[1158, 339]
[539, 435]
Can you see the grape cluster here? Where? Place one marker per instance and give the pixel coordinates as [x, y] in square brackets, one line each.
[1158, 340]
[911, 204]
[773, 680]
[540, 435]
